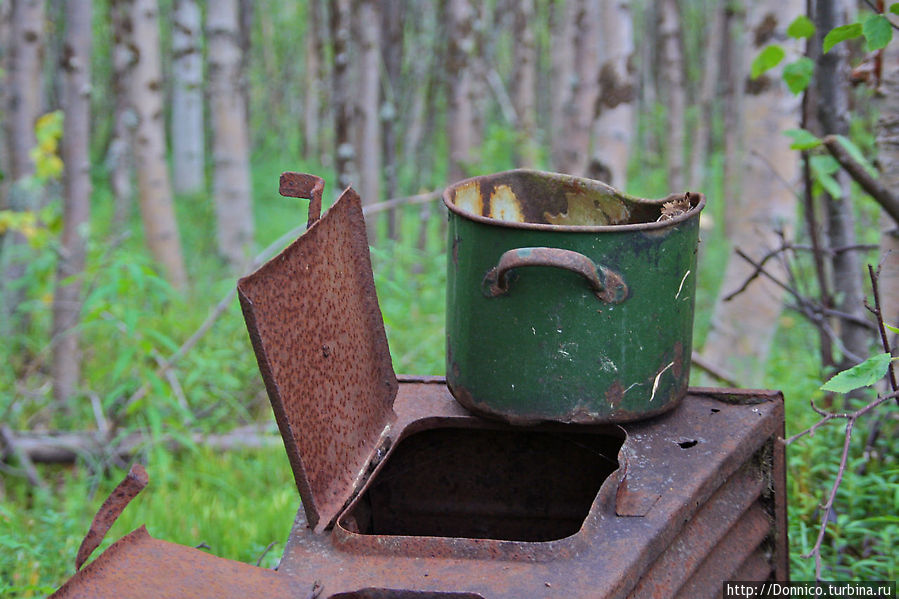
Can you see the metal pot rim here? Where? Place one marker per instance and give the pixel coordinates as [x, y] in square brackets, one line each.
[648, 226]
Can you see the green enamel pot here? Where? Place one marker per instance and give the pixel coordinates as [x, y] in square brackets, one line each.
[568, 300]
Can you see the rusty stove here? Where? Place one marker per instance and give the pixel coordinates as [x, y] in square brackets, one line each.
[407, 495]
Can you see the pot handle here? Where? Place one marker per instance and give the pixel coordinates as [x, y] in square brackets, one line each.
[607, 284]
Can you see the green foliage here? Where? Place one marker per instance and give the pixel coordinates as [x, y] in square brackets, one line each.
[767, 59]
[47, 163]
[798, 74]
[861, 375]
[801, 28]
[841, 34]
[824, 167]
[877, 31]
[802, 139]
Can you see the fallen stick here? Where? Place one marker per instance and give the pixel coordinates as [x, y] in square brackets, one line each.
[55, 447]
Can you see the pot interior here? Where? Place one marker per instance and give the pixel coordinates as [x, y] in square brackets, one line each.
[538, 198]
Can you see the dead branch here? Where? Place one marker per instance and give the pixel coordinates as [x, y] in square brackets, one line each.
[882, 194]
[720, 374]
[58, 447]
[14, 447]
[878, 315]
[220, 308]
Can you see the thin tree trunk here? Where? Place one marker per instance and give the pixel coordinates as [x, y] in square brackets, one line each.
[561, 75]
[120, 156]
[76, 199]
[341, 96]
[580, 103]
[367, 93]
[742, 328]
[460, 123]
[613, 128]
[153, 183]
[5, 43]
[734, 52]
[392, 20]
[311, 148]
[230, 148]
[711, 77]
[671, 65]
[25, 101]
[831, 82]
[888, 160]
[188, 157]
[524, 89]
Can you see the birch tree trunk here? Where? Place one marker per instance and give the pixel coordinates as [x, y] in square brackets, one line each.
[831, 83]
[76, 199]
[580, 101]
[153, 183]
[525, 82]
[188, 157]
[392, 21]
[367, 121]
[709, 89]
[888, 159]
[120, 156]
[5, 43]
[344, 151]
[460, 121]
[671, 58]
[734, 77]
[742, 328]
[613, 129]
[312, 90]
[25, 102]
[230, 136]
[561, 75]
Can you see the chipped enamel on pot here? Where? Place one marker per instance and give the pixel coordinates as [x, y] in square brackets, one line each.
[568, 300]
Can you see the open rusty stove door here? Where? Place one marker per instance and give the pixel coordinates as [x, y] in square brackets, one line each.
[319, 338]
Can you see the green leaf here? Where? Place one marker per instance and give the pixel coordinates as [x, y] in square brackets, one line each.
[862, 375]
[857, 154]
[768, 58]
[823, 167]
[891, 328]
[798, 74]
[877, 31]
[841, 34]
[894, 8]
[801, 28]
[802, 139]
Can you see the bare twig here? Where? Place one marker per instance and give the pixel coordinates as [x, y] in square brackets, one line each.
[258, 261]
[878, 314]
[884, 196]
[264, 552]
[720, 374]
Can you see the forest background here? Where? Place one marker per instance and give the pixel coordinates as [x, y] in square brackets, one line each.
[141, 146]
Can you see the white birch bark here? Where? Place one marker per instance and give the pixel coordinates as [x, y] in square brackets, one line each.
[888, 159]
[671, 69]
[741, 329]
[460, 119]
[120, 156]
[230, 146]
[341, 102]
[188, 156]
[66, 368]
[613, 128]
[368, 135]
[525, 82]
[153, 183]
[561, 75]
[580, 102]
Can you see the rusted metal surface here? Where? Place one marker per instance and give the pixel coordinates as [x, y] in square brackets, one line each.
[302, 185]
[707, 461]
[608, 286]
[138, 566]
[133, 483]
[319, 339]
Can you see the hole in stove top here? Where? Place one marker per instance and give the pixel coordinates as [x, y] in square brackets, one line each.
[509, 484]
